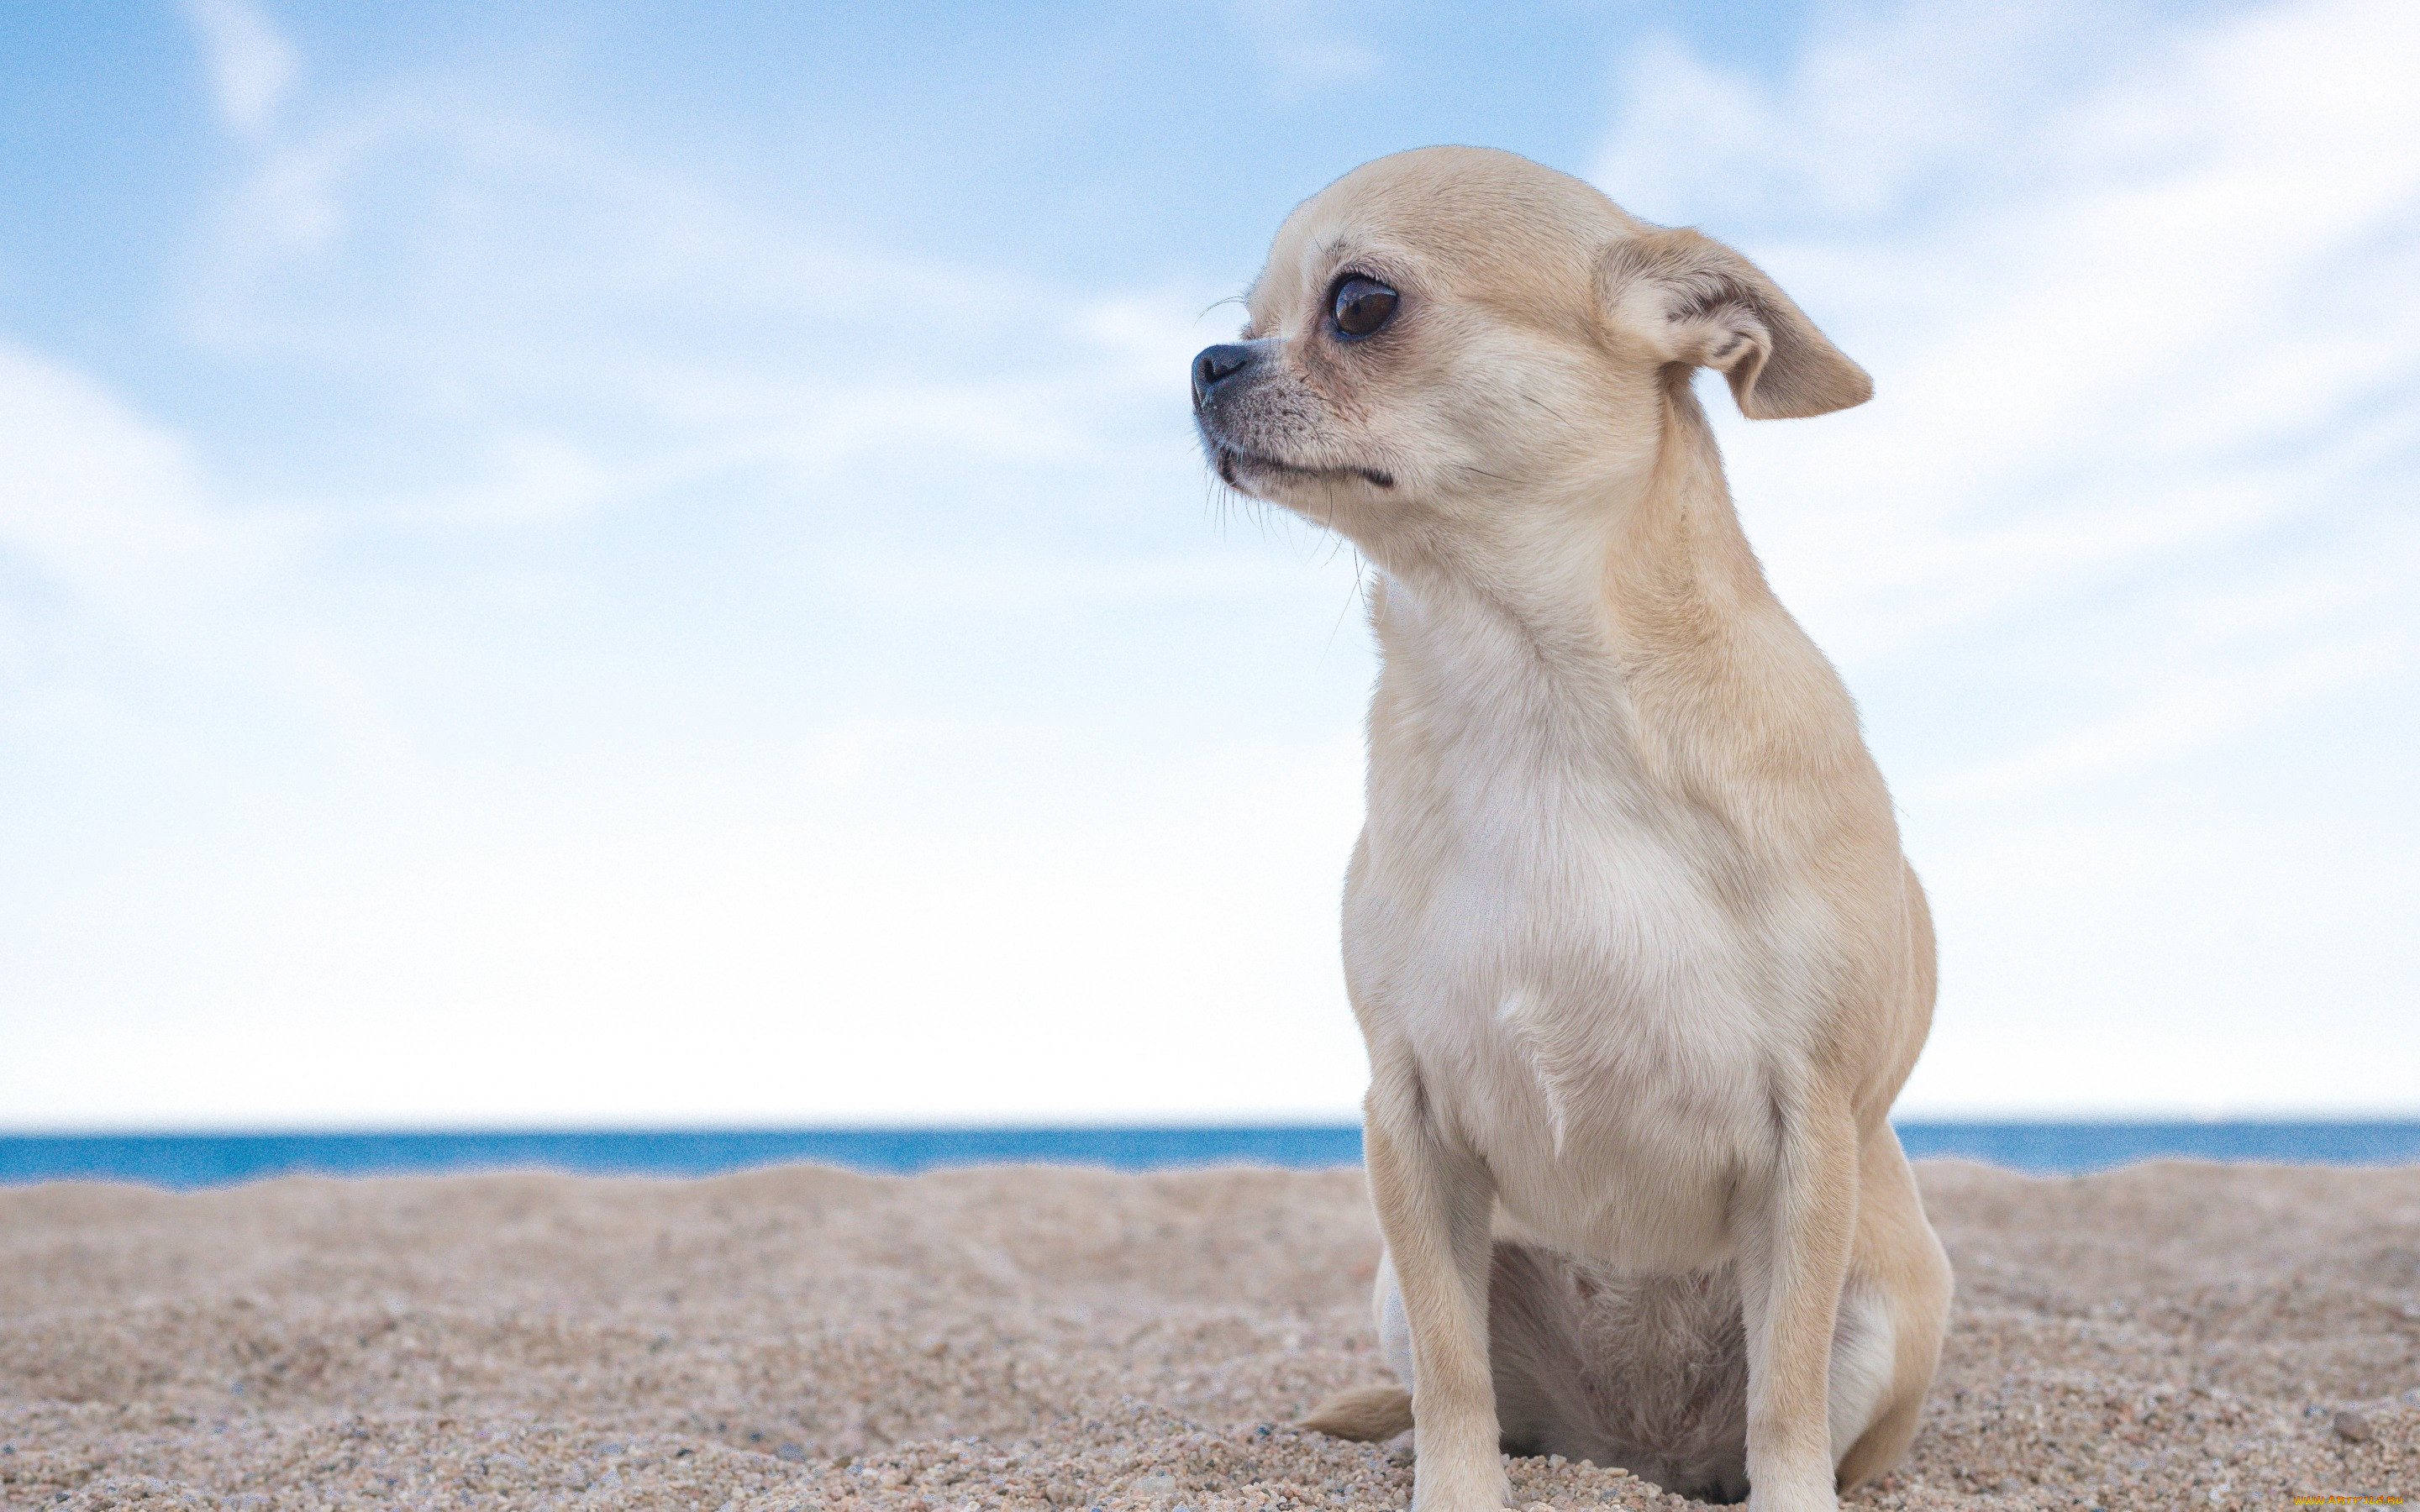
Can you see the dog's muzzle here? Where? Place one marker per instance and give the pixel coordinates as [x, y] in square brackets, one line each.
[1222, 375]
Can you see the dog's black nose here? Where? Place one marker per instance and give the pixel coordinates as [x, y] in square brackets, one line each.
[1216, 366]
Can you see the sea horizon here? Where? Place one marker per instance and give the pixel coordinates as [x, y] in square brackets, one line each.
[200, 1158]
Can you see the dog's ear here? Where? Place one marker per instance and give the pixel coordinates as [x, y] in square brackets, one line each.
[1695, 301]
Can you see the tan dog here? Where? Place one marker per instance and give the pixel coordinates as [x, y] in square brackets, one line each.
[1628, 932]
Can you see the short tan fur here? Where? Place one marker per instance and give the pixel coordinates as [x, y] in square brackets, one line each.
[1632, 943]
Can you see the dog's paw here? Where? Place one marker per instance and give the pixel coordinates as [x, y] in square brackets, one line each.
[1809, 1495]
[1481, 1487]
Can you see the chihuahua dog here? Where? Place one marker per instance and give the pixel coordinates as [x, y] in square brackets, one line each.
[1639, 961]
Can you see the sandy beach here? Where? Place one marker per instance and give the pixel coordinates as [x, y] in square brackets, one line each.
[2167, 1336]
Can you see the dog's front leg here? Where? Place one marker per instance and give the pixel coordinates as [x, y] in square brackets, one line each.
[1435, 1206]
[1796, 1239]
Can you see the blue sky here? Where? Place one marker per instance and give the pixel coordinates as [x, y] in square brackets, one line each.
[643, 563]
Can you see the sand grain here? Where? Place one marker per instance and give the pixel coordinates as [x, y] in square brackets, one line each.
[2169, 1337]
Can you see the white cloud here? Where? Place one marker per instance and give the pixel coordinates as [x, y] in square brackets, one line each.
[626, 626]
[102, 502]
[252, 65]
[1301, 45]
[2129, 518]
[2174, 328]
[2186, 718]
[697, 943]
[2125, 962]
[624, 679]
[536, 299]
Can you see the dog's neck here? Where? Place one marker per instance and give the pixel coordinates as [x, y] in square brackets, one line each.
[1622, 637]
[1591, 591]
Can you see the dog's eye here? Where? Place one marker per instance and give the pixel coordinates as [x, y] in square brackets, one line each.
[1362, 305]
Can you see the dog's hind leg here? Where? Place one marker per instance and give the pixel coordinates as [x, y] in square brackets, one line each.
[1650, 1372]
[1892, 1317]
[1365, 1414]
[1369, 1414]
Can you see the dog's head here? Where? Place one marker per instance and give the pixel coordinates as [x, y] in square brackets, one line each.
[1449, 331]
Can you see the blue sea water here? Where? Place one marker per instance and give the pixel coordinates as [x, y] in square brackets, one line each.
[187, 1161]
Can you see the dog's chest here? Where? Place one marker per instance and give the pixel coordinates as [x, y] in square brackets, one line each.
[1586, 1011]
